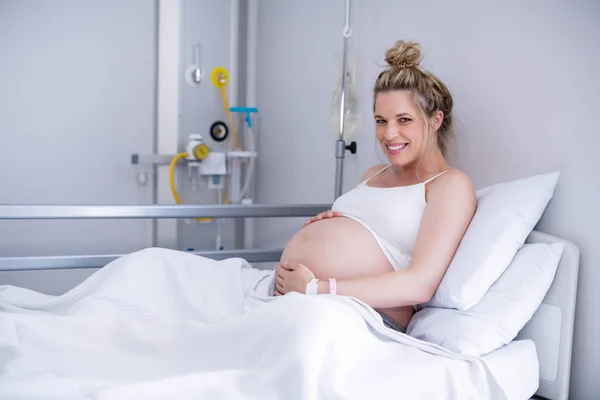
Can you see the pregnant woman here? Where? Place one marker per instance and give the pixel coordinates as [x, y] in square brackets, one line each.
[389, 241]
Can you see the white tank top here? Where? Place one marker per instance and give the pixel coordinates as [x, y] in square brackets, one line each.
[392, 215]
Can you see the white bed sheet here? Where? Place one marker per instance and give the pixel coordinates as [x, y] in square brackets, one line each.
[516, 368]
[161, 324]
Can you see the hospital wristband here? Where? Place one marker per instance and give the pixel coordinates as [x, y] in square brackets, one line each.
[332, 286]
[312, 286]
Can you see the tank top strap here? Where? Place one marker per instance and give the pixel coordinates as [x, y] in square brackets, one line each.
[375, 174]
[440, 174]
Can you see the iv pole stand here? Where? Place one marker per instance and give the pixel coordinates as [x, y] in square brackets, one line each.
[340, 145]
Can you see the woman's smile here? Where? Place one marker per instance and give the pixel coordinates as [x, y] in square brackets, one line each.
[396, 148]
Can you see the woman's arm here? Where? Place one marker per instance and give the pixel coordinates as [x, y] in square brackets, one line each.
[451, 204]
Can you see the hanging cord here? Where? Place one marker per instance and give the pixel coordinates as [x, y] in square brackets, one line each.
[230, 117]
[172, 177]
[250, 164]
[173, 187]
[220, 78]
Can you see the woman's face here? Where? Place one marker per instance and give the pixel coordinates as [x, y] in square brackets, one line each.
[400, 128]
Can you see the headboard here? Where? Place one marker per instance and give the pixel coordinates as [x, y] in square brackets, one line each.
[551, 327]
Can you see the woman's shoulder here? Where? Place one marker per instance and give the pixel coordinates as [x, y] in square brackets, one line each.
[372, 171]
[452, 183]
[455, 176]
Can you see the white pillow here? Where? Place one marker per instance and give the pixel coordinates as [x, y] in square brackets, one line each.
[502, 313]
[506, 214]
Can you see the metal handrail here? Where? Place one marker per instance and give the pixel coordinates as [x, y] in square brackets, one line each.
[100, 260]
[12, 212]
[45, 212]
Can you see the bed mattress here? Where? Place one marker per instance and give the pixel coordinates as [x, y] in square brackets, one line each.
[516, 368]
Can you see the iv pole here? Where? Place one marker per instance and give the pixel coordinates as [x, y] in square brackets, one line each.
[340, 147]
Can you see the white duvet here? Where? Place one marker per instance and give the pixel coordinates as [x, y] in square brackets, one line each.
[162, 324]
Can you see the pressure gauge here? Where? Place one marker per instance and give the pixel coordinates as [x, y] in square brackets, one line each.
[201, 151]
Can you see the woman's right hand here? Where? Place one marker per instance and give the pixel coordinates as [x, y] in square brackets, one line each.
[323, 215]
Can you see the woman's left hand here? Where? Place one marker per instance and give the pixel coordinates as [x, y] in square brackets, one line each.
[292, 277]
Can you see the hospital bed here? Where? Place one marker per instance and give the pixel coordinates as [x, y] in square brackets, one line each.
[546, 339]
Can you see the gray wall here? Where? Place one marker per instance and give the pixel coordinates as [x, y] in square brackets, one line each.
[525, 80]
[77, 97]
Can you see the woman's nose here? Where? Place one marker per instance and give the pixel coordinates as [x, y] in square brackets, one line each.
[391, 132]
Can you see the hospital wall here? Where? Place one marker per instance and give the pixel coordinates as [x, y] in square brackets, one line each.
[77, 97]
[524, 78]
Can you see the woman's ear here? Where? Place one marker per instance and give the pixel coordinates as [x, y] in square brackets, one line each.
[437, 119]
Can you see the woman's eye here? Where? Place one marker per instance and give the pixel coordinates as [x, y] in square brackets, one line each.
[404, 120]
[380, 121]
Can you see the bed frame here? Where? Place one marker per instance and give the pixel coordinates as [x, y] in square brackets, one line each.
[551, 327]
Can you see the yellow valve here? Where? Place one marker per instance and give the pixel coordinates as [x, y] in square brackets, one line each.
[219, 77]
[201, 151]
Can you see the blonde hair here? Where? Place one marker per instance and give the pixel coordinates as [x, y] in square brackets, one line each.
[429, 93]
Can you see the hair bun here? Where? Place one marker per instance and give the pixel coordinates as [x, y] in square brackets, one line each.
[404, 55]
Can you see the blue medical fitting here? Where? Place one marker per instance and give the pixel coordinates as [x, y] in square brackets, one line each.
[247, 110]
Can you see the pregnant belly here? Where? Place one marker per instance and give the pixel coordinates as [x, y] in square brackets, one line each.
[338, 248]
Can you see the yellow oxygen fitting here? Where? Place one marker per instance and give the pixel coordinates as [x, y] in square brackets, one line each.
[220, 78]
[196, 149]
[201, 151]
